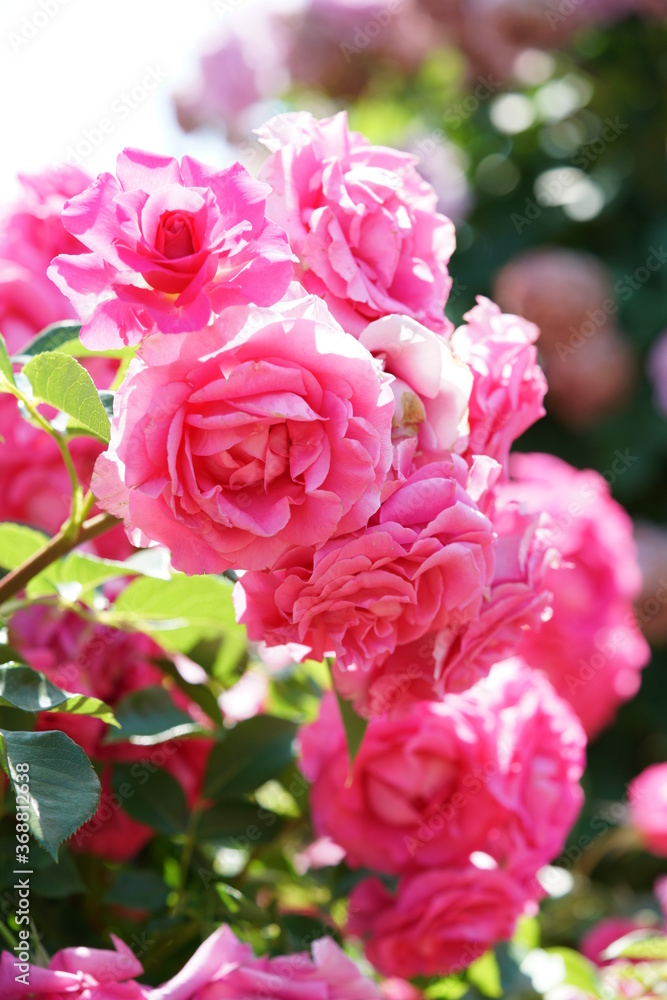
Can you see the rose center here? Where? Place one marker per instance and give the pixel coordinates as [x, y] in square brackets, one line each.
[175, 235]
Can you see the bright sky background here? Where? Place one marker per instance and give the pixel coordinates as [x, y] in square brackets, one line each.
[75, 70]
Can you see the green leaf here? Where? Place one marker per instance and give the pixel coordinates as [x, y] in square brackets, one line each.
[24, 688]
[64, 789]
[52, 338]
[485, 975]
[6, 373]
[149, 716]
[181, 610]
[138, 890]
[157, 799]
[251, 754]
[18, 543]
[639, 946]
[57, 881]
[355, 727]
[238, 821]
[61, 381]
[84, 572]
[578, 970]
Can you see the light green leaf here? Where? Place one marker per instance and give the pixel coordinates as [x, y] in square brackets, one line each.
[149, 716]
[28, 689]
[181, 610]
[52, 338]
[18, 543]
[64, 791]
[578, 970]
[61, 381]
[251, 753]
[485, 975]
[6, 373]
[639, 946]
[85, 571]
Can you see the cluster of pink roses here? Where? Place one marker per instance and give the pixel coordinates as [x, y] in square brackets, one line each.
[221, 967]
[299, 409]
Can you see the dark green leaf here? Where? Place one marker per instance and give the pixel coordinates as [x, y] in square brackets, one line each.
[27, 689]
[251, 753]
[138, 890]
[61, 381]
[243, 822]
[157, 799]
[64, 789]
[149, 716]
[355, 727]
[58, 881]
[52, 338]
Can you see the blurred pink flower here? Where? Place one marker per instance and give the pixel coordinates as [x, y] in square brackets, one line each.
[361, 220]
[657, 367]
[647, 795]
[171, 245]
[245, 65]
[590, 648]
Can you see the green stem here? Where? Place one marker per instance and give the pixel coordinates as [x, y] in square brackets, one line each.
[186, 856]
[54, 549]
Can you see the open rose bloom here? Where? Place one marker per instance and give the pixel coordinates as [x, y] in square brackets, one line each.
[298, 413]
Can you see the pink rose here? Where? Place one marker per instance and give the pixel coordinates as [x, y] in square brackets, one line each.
[508, 384]
[222, 966]
[270, 429]
[431, 385]
[103, 662]
[463, 650]
[590, 648]
[77, 974]
[439, 921]
[361, 220]
[425, 560]
[495, 769]
[647, 796]
[171, 245]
